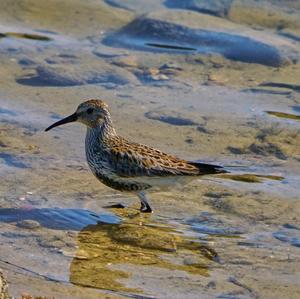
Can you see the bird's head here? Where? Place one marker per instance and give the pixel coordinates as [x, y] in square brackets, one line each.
[92, 113]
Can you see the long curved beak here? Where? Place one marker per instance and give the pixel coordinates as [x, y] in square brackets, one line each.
[73, 117]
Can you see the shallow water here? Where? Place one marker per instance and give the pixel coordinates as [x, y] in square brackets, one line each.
[215, 81]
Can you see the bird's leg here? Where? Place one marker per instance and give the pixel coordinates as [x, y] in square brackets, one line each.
[145, 207]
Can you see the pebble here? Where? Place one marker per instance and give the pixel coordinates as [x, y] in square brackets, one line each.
[29, 224]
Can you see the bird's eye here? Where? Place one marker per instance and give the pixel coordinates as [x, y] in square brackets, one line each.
[89, 111]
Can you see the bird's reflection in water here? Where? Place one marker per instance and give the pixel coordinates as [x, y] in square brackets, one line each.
[138, 240]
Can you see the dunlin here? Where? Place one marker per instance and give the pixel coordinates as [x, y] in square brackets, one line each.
[125, 165]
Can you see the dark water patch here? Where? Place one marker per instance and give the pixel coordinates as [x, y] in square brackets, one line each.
[207, 224]
[289, 35]
[12, 160]
[266, 91]
[55, 218]
[26, 36]
[290, 226]
[213, 7]
[261, 149]
[169, 119]
[46, 31]
[291, 237]
[160, 36]
[296, 108]
[118, 4]
[59, 76]
[267, 149]
[284, 115]
[235, 150]
[26, 62]
[171, 47]
[55, 116]
[203, 129]
[294, 87]
[8, 112]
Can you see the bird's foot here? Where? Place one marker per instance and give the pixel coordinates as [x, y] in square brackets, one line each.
[145, 208]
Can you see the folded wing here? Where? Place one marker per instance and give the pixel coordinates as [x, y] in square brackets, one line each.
[133, 159]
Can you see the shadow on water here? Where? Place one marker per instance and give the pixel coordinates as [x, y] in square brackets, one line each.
[107, 244]
[55, 218]
[12, 160]
[155, 35]
[105, 252]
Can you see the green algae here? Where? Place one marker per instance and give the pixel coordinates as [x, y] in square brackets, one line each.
[284, 115]
[251, 178]
[101, 248]
[26, 36]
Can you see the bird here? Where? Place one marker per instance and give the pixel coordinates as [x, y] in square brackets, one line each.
[129, 166]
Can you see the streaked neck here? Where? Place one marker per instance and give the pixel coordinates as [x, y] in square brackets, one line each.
[102, 130]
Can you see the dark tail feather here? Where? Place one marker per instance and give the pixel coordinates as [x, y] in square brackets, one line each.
[208, 168]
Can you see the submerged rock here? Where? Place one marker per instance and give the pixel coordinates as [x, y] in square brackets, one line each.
[173, 119]
[71, 76]
[144, 237]
[151, 34]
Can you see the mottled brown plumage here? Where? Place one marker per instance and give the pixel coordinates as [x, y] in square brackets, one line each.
[125, 165]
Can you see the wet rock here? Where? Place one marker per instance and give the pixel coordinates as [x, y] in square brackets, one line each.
[3, 287]
[217, 79]
[126, 61]
[151, 76]
[212, 7]
[173, 119]
[29, 224]
[170, 69]
[171, 65]
[72, 76]
[156, 35]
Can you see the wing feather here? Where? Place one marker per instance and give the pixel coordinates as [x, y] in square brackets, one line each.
[133, 159]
